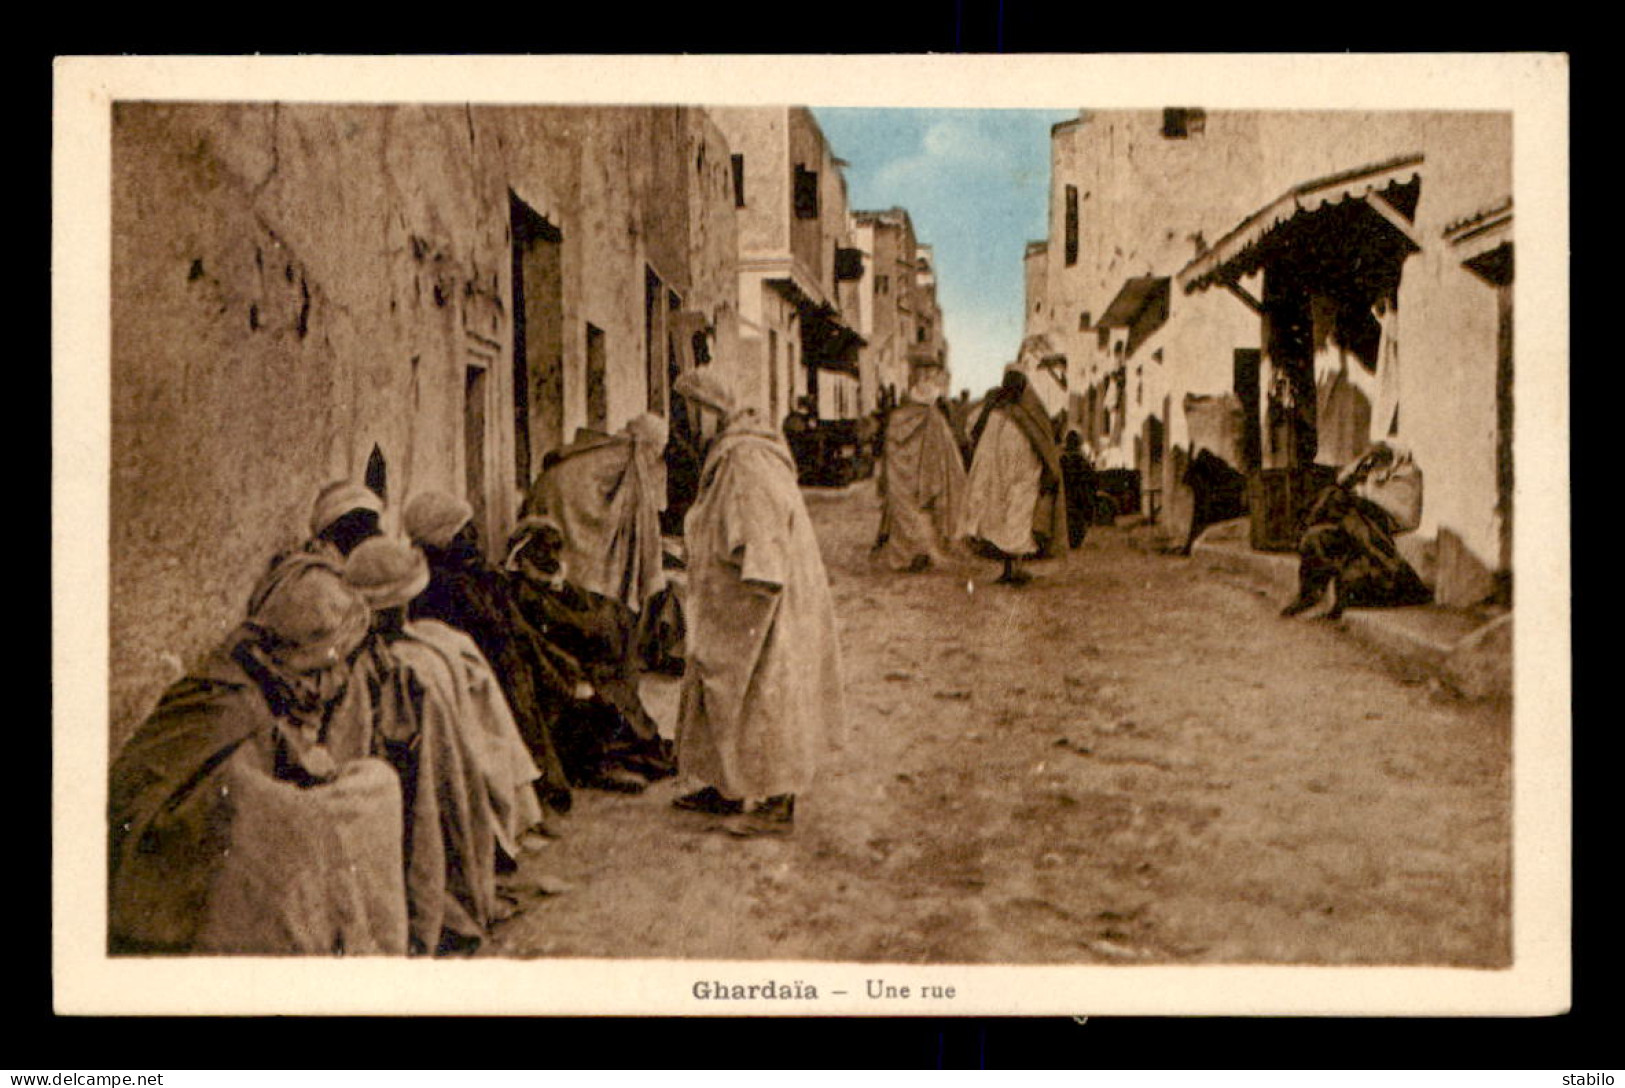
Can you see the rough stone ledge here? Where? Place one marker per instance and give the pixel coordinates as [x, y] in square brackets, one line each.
[1471, 653]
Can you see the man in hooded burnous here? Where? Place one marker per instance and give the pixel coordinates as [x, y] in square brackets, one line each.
[922, 484]
[761, 698]
[425, 699]
[606, 494]
[1014, 508]
[239, 822]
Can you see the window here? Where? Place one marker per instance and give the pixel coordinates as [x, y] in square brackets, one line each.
[1084, 321]
[806, 193]
[882, 285]
[739, 180]
[848, 264]
[1071, 225]
[773, 372]
[1179, 122]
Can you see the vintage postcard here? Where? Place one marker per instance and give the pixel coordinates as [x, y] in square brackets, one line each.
[893, 535]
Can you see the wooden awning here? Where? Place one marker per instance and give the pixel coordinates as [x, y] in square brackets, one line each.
[1389, 188]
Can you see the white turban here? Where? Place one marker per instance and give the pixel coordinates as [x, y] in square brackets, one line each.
[339, 498]
[386, 572]
[704, 385]
[434, 517]
[304, 602]
[649, 428]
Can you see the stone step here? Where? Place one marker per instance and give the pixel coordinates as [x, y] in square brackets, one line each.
[1470, 650]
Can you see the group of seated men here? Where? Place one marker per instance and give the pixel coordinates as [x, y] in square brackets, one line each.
[393, 723]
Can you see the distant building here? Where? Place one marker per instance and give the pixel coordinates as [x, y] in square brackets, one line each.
[797, 335]
[900, 315]
[928, 354]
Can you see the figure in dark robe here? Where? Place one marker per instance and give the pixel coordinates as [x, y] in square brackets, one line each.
[544, 683]
[238, 822]
[1078, 475]
[598, 635]
[1349, 544]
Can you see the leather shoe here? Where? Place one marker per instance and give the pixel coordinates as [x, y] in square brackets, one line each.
[709, 800]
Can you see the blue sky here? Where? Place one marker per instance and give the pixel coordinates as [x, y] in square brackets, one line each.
[976, 184]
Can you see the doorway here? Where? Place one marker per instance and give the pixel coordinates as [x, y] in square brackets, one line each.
[1246, 365]
[597, 377]
[474, 392]
[538, 338]
[654, 341]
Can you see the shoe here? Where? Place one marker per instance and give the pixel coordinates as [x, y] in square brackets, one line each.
[709, 800]
[553, 798]
[614, 780]
[650, 766]
[774, 816]
[506, 907]
[453, 943]
[1299, 605]
[919, 564]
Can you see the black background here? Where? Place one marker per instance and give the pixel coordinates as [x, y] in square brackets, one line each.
[35, 1039]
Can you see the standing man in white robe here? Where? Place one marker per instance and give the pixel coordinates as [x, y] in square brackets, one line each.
[761, 697]
[1014, 509]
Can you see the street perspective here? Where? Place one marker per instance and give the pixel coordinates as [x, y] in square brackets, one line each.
[884, 536]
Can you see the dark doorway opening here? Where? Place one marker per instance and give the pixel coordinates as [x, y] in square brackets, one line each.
[474, 392]
[597, 377]
[1246, 367]
[538, 338]
[654, 336]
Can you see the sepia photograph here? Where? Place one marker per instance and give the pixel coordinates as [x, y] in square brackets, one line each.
[667, 542]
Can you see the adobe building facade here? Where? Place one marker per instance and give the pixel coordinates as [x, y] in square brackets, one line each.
[1209, 276]
[791, 204]
[422, 297]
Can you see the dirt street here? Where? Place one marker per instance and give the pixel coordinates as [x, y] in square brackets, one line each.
[1132, 760]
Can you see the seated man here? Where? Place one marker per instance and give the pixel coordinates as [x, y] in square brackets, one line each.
[238, 824]
[1349, 543]
[425, 699]
[594, 631]
[466, 593]
[541, 681]
[343, 515]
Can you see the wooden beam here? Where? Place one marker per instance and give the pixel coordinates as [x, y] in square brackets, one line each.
[1377, 203]
[1241, 292]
